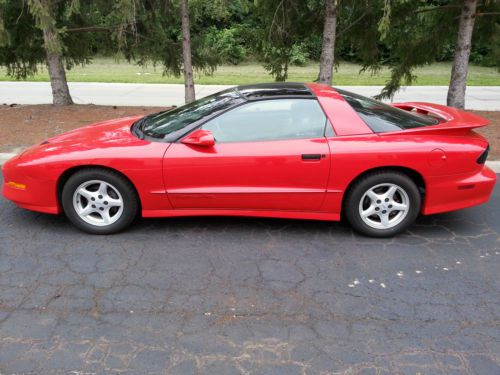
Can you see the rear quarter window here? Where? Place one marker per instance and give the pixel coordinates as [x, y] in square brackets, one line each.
[382, 117]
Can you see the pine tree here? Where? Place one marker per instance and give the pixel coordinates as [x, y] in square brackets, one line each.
[415, 33]
[43, 12]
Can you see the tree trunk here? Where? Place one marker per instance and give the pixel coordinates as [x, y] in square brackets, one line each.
[186, 53]
[458, 80]
[328, 47]
[45, 21]
[57, 74]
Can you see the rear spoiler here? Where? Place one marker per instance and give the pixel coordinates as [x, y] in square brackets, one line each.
[450, 118]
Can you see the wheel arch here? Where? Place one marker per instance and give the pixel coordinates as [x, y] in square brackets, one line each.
[414, 175]
[64, 177]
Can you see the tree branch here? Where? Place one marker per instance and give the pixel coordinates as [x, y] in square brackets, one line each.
[423, 10]
[90, 29]
[487, 14]
[357, 20]
[274, 18]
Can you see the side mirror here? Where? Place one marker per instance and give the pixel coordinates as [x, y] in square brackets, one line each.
[200, 137]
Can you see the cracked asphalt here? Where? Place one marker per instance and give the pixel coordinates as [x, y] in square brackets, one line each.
[250, 296]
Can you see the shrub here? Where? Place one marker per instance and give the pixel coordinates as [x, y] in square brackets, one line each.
[227, 44]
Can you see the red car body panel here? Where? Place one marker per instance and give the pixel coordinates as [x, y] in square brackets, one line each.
[226, 177]
[109, 144]
[341, 116]
[267, 179]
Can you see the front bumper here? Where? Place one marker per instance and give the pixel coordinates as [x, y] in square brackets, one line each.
[34, 194]
[454, 192]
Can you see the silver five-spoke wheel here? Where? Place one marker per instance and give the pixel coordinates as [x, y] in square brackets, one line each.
[98, 203]
[384, 206]
[383, 203]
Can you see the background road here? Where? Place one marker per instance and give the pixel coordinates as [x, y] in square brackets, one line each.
[486, 98]
[250, 296]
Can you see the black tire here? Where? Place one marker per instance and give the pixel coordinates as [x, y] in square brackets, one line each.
[365, 183]
[117, 181]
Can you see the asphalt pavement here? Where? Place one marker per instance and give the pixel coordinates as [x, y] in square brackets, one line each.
[250, 296]
[130, 94]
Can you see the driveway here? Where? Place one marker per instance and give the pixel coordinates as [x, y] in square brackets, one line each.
[482, 98]
[250, 296]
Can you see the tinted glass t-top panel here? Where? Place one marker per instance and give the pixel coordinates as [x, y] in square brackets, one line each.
[160, 125]
[382, 117]
[268, 120]
[273, 89]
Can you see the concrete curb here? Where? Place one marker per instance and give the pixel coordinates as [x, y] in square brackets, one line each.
[483, 98]
[493, 164]
[4, 157]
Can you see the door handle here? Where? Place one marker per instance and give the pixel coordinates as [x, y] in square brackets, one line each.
[313, 156]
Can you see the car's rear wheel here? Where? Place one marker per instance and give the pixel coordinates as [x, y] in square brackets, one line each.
[382, 204]
[99, 201]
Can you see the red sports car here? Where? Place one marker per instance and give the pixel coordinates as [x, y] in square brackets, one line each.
[285, 150]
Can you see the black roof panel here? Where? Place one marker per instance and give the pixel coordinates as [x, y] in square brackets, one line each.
[263, 90]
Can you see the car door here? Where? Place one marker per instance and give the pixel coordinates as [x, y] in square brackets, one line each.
[268, 154]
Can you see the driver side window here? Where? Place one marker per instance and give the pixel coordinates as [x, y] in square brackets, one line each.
[267, 120]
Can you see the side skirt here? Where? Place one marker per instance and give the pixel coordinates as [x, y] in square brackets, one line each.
[252, 213]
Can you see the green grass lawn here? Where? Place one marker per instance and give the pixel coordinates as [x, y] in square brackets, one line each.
[110, 70]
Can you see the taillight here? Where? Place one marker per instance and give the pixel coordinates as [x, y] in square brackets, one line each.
[482, 158]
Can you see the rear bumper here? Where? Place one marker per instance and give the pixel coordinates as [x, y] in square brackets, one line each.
[450, 193]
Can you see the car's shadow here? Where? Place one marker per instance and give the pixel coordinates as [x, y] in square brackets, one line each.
[470, 222]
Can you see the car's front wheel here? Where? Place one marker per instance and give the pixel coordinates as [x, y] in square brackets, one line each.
[382, 204]
[99, 201]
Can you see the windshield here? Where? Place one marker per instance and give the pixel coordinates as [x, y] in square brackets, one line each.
[382, 117]
[160, 125]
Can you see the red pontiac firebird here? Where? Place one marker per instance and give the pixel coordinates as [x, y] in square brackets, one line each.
[285, 150]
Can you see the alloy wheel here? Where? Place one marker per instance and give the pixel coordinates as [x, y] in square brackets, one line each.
[384, 206]
[98, 203]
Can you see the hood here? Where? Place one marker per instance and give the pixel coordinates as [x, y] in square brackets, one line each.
[101, 135]
[101, 132]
